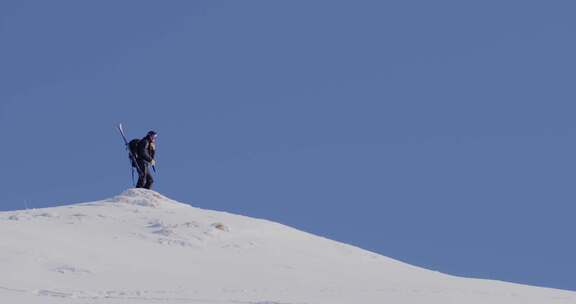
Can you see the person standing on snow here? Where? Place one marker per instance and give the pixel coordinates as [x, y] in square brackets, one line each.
[145, 158]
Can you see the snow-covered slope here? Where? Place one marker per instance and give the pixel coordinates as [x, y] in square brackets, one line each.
[141, 247]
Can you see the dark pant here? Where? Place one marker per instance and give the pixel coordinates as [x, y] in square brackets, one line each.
[145, 179]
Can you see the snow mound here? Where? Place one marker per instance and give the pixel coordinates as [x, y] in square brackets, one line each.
[142, 247]
[145, 198]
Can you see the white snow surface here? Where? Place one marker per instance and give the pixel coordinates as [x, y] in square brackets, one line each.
[141, 247]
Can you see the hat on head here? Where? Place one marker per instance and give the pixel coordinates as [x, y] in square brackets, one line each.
[152, 133]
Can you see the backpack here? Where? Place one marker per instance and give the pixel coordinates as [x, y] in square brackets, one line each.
[133, 148]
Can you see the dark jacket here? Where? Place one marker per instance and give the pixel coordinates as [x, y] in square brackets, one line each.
[146, 149]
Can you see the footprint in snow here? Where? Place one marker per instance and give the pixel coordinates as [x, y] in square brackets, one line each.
[68, 269]
[221, 226]
[52, 293]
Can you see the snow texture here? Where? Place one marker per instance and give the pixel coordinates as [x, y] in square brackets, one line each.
[141, 247]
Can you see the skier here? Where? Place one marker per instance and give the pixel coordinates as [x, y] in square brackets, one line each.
[145, 158]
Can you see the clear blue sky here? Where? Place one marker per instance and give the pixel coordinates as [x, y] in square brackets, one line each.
[440, 133]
